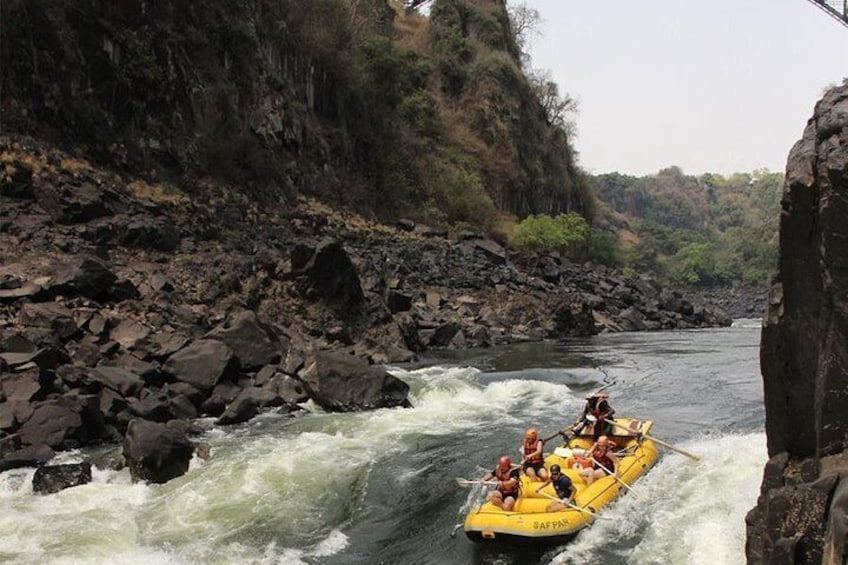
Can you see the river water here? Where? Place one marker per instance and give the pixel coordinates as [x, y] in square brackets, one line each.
[379, 487]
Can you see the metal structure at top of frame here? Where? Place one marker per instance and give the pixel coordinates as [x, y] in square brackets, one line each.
[837, 9]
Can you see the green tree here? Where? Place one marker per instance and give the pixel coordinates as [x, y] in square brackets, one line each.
[568, 234]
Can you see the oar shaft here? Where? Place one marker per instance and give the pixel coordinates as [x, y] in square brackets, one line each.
[674, 448]
[610, 473]
[657, 440]
[468, 482]
[570, 505]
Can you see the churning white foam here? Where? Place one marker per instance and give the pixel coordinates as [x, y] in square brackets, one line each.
[687, 512]
[277, 490]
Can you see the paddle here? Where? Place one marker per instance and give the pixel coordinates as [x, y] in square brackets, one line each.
[622, 483]
[547, 439]
[657, 440]
[468, 482]
[574, 506]
[564, 433]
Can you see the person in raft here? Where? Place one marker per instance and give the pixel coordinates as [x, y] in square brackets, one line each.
[603, 461]
[563, 487]
[533, 462]
[506, 493]
[595, 413]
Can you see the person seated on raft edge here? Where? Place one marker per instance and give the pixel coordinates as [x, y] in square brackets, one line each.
[533, 462]
[564, 488]
[506, 493]
[602, 455]
[597, 406]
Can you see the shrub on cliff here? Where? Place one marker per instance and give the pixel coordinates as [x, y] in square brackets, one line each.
[568, 234]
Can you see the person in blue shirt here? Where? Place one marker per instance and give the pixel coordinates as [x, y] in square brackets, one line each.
[564, 489]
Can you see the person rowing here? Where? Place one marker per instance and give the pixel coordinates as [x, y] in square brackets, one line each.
[603, 459]
[563, 487]
[506, 492]
[596, 412]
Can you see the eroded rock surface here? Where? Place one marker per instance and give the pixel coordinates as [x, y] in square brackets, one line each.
[800, 515]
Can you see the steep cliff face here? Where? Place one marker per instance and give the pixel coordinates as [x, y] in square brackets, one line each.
[225, 89]
[802, 513]
[354, 102]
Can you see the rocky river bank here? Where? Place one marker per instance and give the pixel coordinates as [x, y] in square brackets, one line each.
[128, 309]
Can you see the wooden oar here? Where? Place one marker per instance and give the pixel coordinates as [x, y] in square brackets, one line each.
[563, 433]
[547, 439]
[574, 506]
[659, 441]
[468, 482]
[610, 473]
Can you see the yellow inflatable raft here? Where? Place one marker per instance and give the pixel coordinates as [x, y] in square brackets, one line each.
[530, 521]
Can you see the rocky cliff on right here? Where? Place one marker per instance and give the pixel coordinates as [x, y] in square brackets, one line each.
[801, 515]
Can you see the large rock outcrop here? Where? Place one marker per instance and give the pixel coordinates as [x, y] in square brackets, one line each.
[800, 515]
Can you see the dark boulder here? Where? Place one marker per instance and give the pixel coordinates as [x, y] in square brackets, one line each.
[26, 385]
[54, 424]
[76, 203]
[52, 316]
[445, 334]
[255, 344]
[156, 453]
[149, 233]
[247, 405]
[573, 318]
[202, 364]
[341, 382]
[28, 290]
[223, 394]
[328, 274]
[86, 276]
[492, 250]
[53, 478]
[120, 380]
[287, 388]
[129, 334]
[398, 301]
[30, 456]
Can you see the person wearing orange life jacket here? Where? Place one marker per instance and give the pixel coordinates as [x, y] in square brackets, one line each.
[506, 493]
[595, 413]
[603, 460]
[533, 461]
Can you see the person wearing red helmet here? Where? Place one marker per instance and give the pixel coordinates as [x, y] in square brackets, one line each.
[506, 493]
[533, 462]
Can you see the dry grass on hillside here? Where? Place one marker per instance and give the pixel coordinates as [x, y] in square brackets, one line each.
[411, 29]
[157, 192]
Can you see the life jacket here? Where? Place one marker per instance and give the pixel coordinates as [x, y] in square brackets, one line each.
[530, 448]
[504, 475]
[603, 458]
[580, 462]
